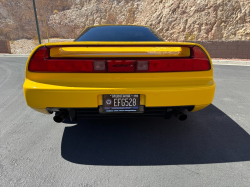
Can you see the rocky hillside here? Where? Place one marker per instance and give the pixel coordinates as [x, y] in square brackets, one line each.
[17, 17]
[175, 20]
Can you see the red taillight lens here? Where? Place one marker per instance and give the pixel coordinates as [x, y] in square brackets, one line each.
[197, 62]
[38, 62]
[169, 65]
[54, 65]
[201, 61]
[41, 62]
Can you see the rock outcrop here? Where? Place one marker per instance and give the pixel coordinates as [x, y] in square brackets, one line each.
[175, 20]
[17, 17]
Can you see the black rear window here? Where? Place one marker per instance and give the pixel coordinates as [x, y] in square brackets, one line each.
[119, 34]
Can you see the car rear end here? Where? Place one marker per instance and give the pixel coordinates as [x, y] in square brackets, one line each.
[118, 79]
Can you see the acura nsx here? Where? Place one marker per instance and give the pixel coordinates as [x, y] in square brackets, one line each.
[119, 71]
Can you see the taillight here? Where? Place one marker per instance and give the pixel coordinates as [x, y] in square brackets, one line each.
[66, 65]
[169, 65]
[197, 62]
[41, 62]
[38, 61]
[200, 60]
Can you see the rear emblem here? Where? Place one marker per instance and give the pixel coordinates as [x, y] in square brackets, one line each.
[120, 65]
[108, 101]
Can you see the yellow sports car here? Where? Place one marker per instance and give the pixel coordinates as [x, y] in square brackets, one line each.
[118, 71]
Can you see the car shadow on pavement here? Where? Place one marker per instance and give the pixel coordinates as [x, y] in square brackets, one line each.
[207, 136]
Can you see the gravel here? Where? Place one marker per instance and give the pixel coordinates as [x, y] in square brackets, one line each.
[25, 46]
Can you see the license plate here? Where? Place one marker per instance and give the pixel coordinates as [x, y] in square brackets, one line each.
[121, 103]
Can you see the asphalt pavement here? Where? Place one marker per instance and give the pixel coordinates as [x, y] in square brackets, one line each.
[210, 148]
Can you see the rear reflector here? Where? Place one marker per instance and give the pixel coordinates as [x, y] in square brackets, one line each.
[42, 62]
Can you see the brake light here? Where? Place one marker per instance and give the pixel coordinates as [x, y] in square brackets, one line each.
[197, 62]
[41, 62]
[69, 65]
[38, 62]
[169, 65]
[201, 61]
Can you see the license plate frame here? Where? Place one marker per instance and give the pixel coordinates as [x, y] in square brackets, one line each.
[121, 103]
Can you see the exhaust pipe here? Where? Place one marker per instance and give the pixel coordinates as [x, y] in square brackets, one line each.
[181, 116]
[60, 116]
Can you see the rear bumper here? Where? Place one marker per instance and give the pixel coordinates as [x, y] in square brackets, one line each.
[40, 96]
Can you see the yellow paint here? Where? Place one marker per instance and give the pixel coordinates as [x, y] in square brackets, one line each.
[41, 110]
[120, 52]
[199, 107]
[83, 90]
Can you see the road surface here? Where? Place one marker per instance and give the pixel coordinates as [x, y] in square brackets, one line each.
[211, 148]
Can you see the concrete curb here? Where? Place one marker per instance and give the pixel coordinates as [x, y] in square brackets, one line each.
[231, 62]
[14, 55]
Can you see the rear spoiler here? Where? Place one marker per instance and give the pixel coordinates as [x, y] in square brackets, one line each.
[110, 58]
[118, 51]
